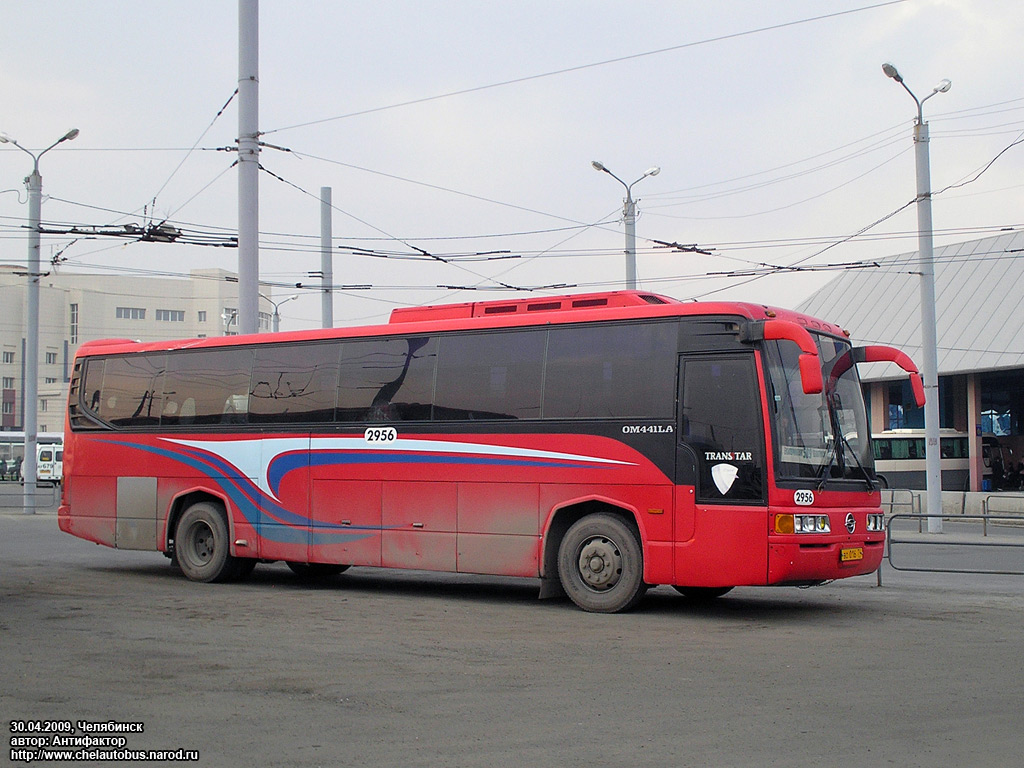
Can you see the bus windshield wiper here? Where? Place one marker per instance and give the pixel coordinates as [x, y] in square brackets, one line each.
[826, 469]
[853, 453]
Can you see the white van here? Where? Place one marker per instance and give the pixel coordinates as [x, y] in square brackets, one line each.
[49, 463]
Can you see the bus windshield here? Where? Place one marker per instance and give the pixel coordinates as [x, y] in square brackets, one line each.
[822, 436]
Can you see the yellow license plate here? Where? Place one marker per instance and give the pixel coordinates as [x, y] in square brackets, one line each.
[849, 555]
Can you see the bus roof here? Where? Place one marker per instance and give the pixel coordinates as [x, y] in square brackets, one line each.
[546, 310]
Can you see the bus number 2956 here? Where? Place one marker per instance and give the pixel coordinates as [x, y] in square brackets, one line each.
[380, 435]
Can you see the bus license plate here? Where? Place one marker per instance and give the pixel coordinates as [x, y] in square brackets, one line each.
[849, 555]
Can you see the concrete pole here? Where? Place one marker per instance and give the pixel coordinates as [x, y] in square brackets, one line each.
[248, 166]
[629, 214]
[31, 390]
[930, 367]
[929, 352]
[326, 260]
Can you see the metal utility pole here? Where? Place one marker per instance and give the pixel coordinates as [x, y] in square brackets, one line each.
[248, 166]
[930, 366]
[30, 394]
[326, 260]
[629, 215]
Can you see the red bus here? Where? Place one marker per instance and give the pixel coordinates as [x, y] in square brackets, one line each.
[602, 443]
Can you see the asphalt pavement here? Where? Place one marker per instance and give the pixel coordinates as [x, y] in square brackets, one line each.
[388, 668]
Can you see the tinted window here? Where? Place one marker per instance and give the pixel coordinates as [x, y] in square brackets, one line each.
[610, 371]
[92, 384]
[721, 422]
[294, 384]
[490, 375]
[207, 387]
[131, 390]
[387, 379]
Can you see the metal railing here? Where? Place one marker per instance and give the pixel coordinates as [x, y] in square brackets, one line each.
[12, 496]
[964, 535]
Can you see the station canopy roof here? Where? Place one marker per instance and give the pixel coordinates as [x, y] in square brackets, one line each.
[979, 297]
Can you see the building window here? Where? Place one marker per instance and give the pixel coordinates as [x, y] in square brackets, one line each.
[202, 316]
[8, 382]
[8, 357]
[42, 406]
[8, 407]
[264, 321]
[74, 323]
[50, 380]
[170, 315]
[131, 313]
[51, 358]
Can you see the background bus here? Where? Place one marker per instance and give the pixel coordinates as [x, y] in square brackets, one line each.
[900, 460]
[599, 442]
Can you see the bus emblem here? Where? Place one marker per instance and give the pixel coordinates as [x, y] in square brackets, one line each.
[724, 476]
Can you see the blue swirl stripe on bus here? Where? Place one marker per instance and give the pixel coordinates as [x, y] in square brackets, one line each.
[294, 528]
[284, 463]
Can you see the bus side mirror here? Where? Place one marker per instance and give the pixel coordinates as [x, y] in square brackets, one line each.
[810, 365]
[880, 354]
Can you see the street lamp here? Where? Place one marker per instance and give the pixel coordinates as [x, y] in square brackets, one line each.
[30, 396]
[276, 326]
[930, 367]
[629, 213]
[229, 317]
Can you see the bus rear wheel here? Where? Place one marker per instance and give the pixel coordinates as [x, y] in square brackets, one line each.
[600, 564]
[202, 545]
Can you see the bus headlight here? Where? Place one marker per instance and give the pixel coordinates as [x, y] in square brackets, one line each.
[876, 522]
[802, 524]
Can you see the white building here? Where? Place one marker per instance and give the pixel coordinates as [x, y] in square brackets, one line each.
[75, 307]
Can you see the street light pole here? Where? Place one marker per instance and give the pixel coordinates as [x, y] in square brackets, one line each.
[629, 215]
[276, 324]
[930, 367]
[30, 395]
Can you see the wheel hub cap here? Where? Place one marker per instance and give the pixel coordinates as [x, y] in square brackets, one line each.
[600, 563]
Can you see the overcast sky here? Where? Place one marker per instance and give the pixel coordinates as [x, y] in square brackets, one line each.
[776, 132]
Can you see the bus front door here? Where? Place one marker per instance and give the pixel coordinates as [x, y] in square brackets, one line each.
[720, 465]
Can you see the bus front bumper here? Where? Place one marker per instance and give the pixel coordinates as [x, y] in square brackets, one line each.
[796, 560]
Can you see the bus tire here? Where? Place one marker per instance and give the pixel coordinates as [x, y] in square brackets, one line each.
[202, 545]
[316, 571]
[601, 564]
[702, 594]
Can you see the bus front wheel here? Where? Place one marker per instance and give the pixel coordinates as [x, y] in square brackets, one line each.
[600, 564]
[202, 547]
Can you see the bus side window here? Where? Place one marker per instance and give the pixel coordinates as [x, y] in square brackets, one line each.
[235, 409]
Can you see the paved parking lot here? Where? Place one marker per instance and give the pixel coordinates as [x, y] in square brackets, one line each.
[383, 668]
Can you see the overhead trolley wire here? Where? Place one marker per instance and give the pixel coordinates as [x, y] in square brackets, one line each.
[592, 65]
